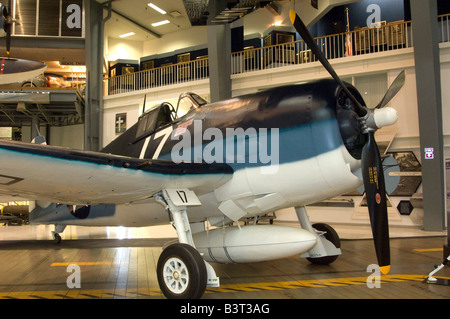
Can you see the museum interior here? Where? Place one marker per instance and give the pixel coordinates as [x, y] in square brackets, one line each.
[109, 62]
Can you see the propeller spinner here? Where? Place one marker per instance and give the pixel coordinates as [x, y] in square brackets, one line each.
[370, 120]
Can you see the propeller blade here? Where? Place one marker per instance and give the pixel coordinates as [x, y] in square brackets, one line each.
[307, 37]
[393, 90]
[371, 161]
[376, 200]
[8, 39]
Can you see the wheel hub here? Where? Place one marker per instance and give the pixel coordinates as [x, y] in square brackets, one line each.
[176, 275]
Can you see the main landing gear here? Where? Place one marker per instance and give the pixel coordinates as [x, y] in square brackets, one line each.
[182, 273]
[327, 249]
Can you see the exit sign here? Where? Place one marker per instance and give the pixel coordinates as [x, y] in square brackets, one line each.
[429, 153]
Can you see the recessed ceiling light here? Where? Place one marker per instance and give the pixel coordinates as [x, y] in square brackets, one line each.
[175, 14]
[160, 23]
[126, 35]
[151, 5]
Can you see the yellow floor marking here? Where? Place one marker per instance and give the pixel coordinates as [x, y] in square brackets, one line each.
[315, 283]
[428, 249]
[86, 263]
[155, 292]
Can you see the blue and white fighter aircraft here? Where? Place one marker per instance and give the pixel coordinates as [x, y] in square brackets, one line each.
[219, 163]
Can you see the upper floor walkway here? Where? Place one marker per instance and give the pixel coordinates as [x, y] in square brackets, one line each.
[386, 38]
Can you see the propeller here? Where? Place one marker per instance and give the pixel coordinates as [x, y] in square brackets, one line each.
[370, 120]
[393, 90]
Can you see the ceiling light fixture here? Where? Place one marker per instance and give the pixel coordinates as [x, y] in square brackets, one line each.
[156, 24]
[151, 5]
[126, 34]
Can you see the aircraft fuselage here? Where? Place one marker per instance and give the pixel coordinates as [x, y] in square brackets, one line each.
[288, 146]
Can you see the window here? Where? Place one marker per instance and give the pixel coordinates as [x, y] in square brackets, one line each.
[150, 121]
[71, 29]
[188, 101]
[184, 105]
[148, 65]
[48, 17]
[186, 57]
[147, 123]
[26, 14]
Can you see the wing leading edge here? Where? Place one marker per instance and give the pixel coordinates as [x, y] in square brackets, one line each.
[56, 174]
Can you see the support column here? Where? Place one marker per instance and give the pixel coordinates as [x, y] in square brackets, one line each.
[219, 54]
[94, 76]
[428, 82]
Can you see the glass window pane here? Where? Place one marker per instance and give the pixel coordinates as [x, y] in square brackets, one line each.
[72, 21]
[25, 17]
[49, 17]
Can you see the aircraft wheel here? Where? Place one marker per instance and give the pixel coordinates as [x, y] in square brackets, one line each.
[181, 272]
[57, 238]
[332, 236]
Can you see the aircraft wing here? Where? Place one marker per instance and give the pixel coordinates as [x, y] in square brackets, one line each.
[60, 175]
[19, 70]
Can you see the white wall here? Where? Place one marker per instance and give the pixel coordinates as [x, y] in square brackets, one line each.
[194, 36]
[109, 116]
[124, 49]
[71, 136]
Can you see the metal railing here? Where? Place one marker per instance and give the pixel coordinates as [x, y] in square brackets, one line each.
[161, 76]
[388, 37]
[381, 38]
[444, 27]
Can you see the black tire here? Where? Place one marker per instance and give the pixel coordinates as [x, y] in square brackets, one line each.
[28, 85]
[181, 272]
[331, 235]
[57, 239]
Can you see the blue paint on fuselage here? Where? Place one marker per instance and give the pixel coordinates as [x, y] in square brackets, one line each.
[278, 146]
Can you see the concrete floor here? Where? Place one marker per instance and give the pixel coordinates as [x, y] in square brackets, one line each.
[120, 263]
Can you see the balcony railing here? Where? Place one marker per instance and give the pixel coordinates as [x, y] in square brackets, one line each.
[162, 76]
[444, 26]
[381, 38]
[362, 41]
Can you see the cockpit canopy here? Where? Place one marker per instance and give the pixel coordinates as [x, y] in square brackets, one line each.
[164, 113]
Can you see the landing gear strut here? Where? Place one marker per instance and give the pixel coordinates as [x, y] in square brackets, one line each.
[182, 273]
[328, 244]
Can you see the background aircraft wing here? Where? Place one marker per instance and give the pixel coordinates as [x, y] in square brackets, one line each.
[56, 174]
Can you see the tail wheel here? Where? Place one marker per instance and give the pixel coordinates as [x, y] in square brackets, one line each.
[331, 235]
[181, 272]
